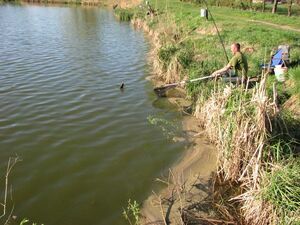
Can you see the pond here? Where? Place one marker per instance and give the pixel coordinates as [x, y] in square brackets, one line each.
[86, 146]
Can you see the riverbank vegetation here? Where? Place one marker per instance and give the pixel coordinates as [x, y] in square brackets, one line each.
[255, 128]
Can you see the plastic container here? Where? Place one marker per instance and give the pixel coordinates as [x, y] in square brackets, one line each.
[204, 13]
[280, 73]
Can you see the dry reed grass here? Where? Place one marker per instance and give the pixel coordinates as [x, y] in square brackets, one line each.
[238, 121]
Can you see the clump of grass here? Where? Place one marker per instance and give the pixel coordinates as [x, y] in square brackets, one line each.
[200, 91]
[283, 92]
[285, 89]
[287, 126]
[282, 190]
[279, 149]
[174, 61]
[236, 121]
[185, 57]
[294, 76]
[166, 53]
[124, 14]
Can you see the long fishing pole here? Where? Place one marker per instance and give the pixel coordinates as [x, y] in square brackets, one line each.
[221, 40]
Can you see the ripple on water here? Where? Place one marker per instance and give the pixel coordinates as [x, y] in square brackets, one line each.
[86, 146]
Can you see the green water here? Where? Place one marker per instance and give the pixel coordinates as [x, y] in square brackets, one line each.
[86, 146]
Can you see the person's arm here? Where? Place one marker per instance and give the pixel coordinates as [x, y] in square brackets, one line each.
[232, 63]
[223, 70]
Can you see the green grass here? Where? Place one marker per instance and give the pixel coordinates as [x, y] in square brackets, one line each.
[166, 53]
[284, 93]
[279, 150]
[191, 10]
[124, 14]
[235, 27]
[282, 189]
[237, 14]
[287, 89]
[294, 76]
[201, 53]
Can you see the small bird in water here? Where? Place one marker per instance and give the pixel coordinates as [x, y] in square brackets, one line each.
[122, 86]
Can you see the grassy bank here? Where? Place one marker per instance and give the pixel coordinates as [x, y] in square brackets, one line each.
[255, 129]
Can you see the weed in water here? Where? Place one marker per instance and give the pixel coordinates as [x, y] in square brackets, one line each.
[169, 129]
[26, 221]
[132, 212]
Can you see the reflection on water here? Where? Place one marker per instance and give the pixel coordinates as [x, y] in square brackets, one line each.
[86, 146]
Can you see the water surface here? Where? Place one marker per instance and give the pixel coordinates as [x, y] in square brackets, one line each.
[86, 146]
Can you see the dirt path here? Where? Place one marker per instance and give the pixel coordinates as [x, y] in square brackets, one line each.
[282, 27]
[274, 25]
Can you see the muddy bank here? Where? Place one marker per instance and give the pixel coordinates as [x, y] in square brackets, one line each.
[188, 187]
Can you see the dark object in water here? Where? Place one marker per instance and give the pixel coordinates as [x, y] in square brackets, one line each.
[161, 91]
[115, 6]
[122, 86]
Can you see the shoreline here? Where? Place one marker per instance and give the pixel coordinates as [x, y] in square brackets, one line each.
[189, 183]
[239, 122]
[190, 180]
[244, 125]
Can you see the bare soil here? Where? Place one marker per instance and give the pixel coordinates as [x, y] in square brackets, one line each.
[188, 186]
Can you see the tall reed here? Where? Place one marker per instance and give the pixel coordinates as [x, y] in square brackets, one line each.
[239, 122]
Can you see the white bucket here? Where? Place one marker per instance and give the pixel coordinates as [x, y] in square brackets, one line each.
[280, 73]
[203, 13]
